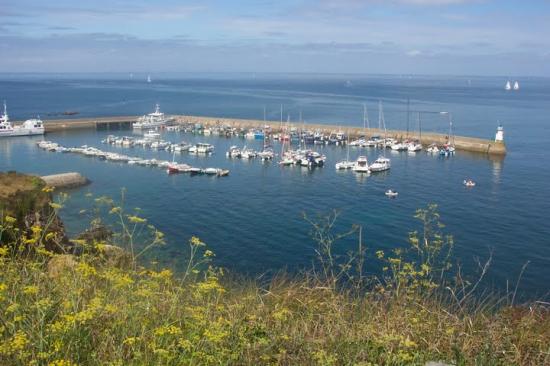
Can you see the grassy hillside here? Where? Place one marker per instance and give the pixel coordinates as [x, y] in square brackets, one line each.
[106, 307]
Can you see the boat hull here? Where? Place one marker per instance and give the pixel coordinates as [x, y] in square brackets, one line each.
[22, 132]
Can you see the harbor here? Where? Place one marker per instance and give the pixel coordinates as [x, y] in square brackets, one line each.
[470, 144]
[261, 195]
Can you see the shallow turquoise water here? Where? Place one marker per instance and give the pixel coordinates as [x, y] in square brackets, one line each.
[253, 218]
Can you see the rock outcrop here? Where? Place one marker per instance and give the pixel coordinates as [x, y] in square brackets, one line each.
[27, 211]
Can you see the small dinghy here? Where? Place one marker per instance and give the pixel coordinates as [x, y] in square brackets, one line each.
[211, 171]
[469, 183]
[391, 193]
[223, 172]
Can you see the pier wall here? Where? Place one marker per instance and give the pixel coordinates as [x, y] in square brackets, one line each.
[461, 143]
[88, 123]
[115, 123]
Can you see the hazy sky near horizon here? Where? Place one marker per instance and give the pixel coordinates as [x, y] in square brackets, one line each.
[474, 37]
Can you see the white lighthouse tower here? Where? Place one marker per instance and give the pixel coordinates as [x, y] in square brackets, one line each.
[499, 137]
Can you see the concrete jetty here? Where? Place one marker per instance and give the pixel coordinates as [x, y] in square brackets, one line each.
[65, 180]
[471, 144]
[100, 123]
[461, 143]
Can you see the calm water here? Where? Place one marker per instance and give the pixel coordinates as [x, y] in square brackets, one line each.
[253, 218]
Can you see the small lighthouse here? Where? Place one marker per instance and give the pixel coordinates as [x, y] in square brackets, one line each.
[499, 137]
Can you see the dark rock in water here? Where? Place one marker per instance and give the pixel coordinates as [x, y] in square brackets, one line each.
[65, 180]
[116, 256]
[98, 233]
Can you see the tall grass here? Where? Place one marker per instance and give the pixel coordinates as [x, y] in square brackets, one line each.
[60, 309]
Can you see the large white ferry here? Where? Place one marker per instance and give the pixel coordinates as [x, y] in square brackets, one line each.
[33, 126]
[152, 120]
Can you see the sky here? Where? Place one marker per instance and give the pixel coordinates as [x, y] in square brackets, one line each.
[452, 37]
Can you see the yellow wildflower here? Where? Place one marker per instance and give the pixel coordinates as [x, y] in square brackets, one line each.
[136, 219]
[12, 308]
[3, 251]
[17, 343]
[30, 290]
[55, 206]
[130, 341]
[47, 189]
[194, 241]
[61, 363]
[85, 269]
[408, 343]
[167, 330]
[10, 220]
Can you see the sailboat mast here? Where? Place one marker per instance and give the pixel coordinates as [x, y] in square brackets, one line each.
[347, 156]
[367, 116]
[364, 116]
[379, 115]
[451, 129]
[419, 128]
[408, 113]
[381, 121]
[281, 118]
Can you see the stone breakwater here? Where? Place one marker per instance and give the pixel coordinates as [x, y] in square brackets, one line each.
[65, 180]
[463, 143]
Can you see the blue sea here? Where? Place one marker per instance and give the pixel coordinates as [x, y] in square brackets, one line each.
[253, 219]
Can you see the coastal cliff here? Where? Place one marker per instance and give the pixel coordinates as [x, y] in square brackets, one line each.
[26, 205]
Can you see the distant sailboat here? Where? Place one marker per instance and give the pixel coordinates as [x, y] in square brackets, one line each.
[148, 78]
[508, 86]
[516, 85]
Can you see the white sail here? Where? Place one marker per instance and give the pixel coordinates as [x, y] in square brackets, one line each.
[516, 86]
[508, 85]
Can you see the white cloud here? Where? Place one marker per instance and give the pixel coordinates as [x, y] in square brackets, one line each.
[414, 53]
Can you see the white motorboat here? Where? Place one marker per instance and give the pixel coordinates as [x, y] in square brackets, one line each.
[358, 143]
[174, 168]
[211, 171]
[414, 146]
[287, 161]
[181, 147]
[361, 165]
[233, 152]
[201, 148]
[391, 194]
[345, 165]
[151, 135]
[152, 120]
[399, 146]
[30, 127]
[267, 154]
[381, 164]
[432, 149]
[447, 150]
[469, 183]
[247, 153]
